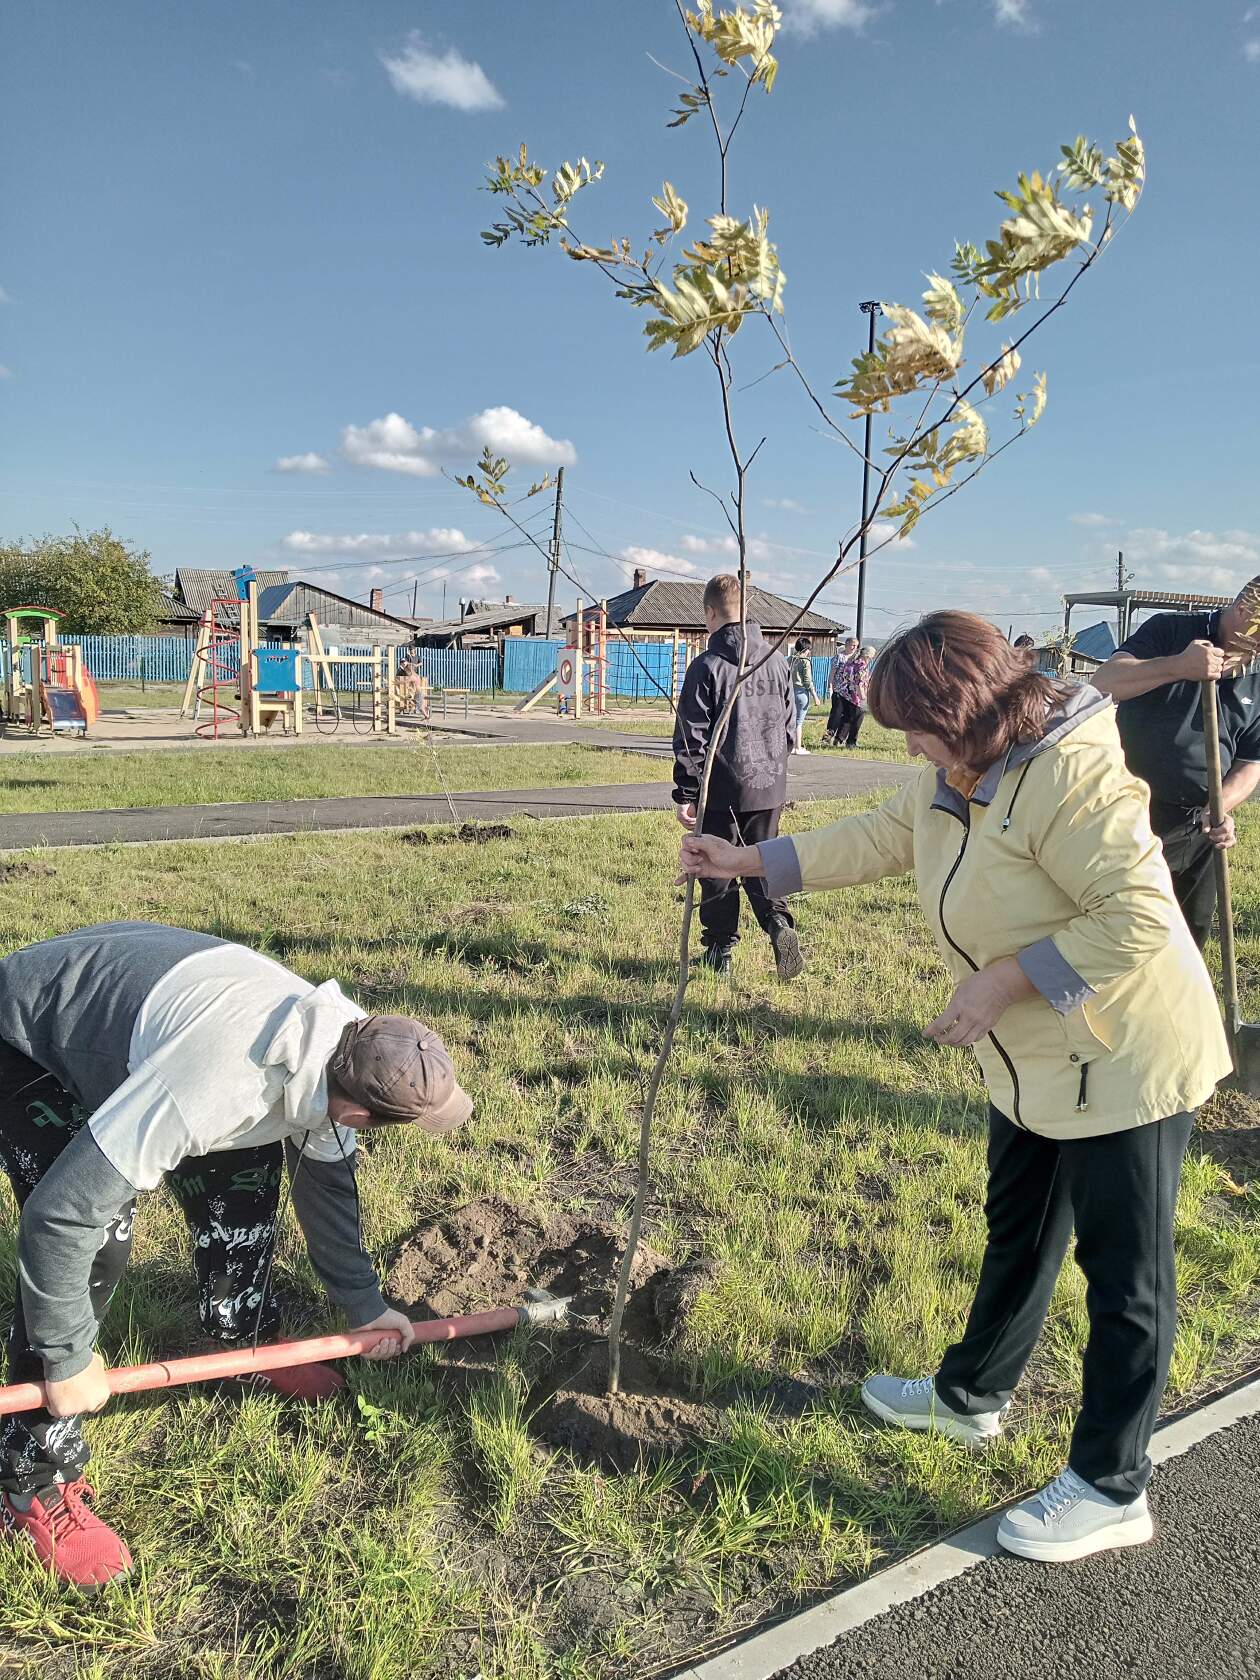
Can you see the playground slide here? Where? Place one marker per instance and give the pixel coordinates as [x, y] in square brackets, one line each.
[89, 699]
[63, 709]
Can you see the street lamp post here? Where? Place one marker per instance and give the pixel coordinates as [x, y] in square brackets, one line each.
[870, 309]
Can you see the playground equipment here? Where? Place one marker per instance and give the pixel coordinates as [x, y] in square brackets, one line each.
[580, 678]
[244, 679]
[45, 682]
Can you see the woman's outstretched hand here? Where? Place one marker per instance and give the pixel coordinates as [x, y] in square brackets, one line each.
[717, 860]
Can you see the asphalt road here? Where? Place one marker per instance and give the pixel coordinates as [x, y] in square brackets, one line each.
[1186, 1606]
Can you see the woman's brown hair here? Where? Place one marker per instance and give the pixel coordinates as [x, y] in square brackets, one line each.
[955, 676]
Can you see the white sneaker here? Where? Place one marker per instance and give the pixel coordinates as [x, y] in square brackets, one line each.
[802, 752]
[914, 1404]
[1071, 1519]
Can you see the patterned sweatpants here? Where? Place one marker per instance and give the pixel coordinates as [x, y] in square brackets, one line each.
[229, 1202]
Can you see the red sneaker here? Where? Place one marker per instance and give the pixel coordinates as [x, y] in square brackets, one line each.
[297, 1382]
[78, 1547]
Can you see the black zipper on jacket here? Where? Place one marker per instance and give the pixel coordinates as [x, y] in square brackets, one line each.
[973, 965]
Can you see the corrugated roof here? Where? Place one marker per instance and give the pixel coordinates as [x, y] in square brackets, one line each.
[1096, 641]
[197, 587]
[174, 611]
[486, 619]
[664, 604]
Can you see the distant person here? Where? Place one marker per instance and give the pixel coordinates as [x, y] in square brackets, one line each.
[850, 704]
[749, 782]
[133, 1054]
[835, 687]
[801, 670]
[1155, 679]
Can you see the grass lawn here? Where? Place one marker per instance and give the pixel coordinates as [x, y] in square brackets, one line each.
[130, 696]
[811, 1143]
[208, 775]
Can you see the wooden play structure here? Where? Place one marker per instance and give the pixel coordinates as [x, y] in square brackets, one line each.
[580, 679]
[251, 685]
[45, 681]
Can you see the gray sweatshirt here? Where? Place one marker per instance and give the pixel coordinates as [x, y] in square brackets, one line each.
[180, 1045]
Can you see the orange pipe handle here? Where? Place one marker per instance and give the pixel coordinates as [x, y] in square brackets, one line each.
[237, 1362]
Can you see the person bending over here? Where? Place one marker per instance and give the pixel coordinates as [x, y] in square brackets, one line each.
[132, 1053]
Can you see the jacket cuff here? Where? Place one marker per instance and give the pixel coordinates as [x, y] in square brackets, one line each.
[1054, 977]
[782, 866]
[362, 1305]
[61, 1370]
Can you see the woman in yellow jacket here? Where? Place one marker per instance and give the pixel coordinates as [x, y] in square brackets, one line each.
[1096, 1027]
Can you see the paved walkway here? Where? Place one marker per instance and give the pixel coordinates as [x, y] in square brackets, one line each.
[821, 778]
[1183, 1607]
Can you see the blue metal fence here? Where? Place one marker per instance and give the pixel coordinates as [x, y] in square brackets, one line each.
[638, 670]
[167, 659]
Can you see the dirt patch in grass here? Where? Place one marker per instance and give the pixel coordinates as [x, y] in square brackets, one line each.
[12, 869]
[489, 1252]
[467, 834]
[1229, 1131]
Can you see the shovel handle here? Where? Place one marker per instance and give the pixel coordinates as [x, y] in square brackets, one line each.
[1220, 859]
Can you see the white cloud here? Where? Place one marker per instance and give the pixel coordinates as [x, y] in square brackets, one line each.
[808, 16]
[4, 296]
[437, 540]
[784, 502]
[1041, 574]
[308, 463]
[1093, 520]
[1251, 51]
[651, 560]
[5, 372]
[882, 530]
[395, 445]
[446, 79]
[1016, 13]
[1218, 562]
[727, 548]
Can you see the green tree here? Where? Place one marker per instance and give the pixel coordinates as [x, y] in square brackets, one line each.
[925, 370]
[101, 585]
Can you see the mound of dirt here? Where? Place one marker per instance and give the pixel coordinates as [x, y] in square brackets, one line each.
[489, 1252]
[1229, 1131]
[467, 834]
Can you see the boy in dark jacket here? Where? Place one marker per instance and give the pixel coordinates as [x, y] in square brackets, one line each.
[749, 782]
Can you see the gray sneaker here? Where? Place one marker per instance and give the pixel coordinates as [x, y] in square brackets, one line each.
[913, 1403]
[1070, 1519]
[788, 958]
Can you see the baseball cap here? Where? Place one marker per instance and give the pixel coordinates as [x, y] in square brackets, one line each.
[399, 1069]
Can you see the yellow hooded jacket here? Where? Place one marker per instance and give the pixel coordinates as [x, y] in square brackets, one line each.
[1051, 860]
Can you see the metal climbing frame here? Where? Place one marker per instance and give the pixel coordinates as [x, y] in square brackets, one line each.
[215, 667]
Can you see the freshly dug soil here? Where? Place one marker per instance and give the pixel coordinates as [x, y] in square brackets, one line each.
[467, 834]
[489, 1252]
[1229, 1131]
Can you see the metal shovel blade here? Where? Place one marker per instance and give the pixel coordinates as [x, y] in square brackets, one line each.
[1246, 1045]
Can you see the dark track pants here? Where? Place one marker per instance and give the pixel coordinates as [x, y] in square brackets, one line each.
[1188, 854]
[719, 900]
[844, 721]
[229, 1201]
[1120, 1193]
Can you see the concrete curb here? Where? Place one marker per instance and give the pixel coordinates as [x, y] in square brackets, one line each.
[765, 1654]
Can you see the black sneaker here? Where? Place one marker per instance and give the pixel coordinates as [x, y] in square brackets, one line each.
[787, 950]
[716, 957]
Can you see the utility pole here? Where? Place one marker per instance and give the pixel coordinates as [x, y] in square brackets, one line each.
[870, 309]
[415, 585]
[554, 564]
[1123, 580]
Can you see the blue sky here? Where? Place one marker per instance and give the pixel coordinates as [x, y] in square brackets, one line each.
[241, 234]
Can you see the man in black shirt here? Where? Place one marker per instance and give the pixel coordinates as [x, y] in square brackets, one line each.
[1155, 680]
